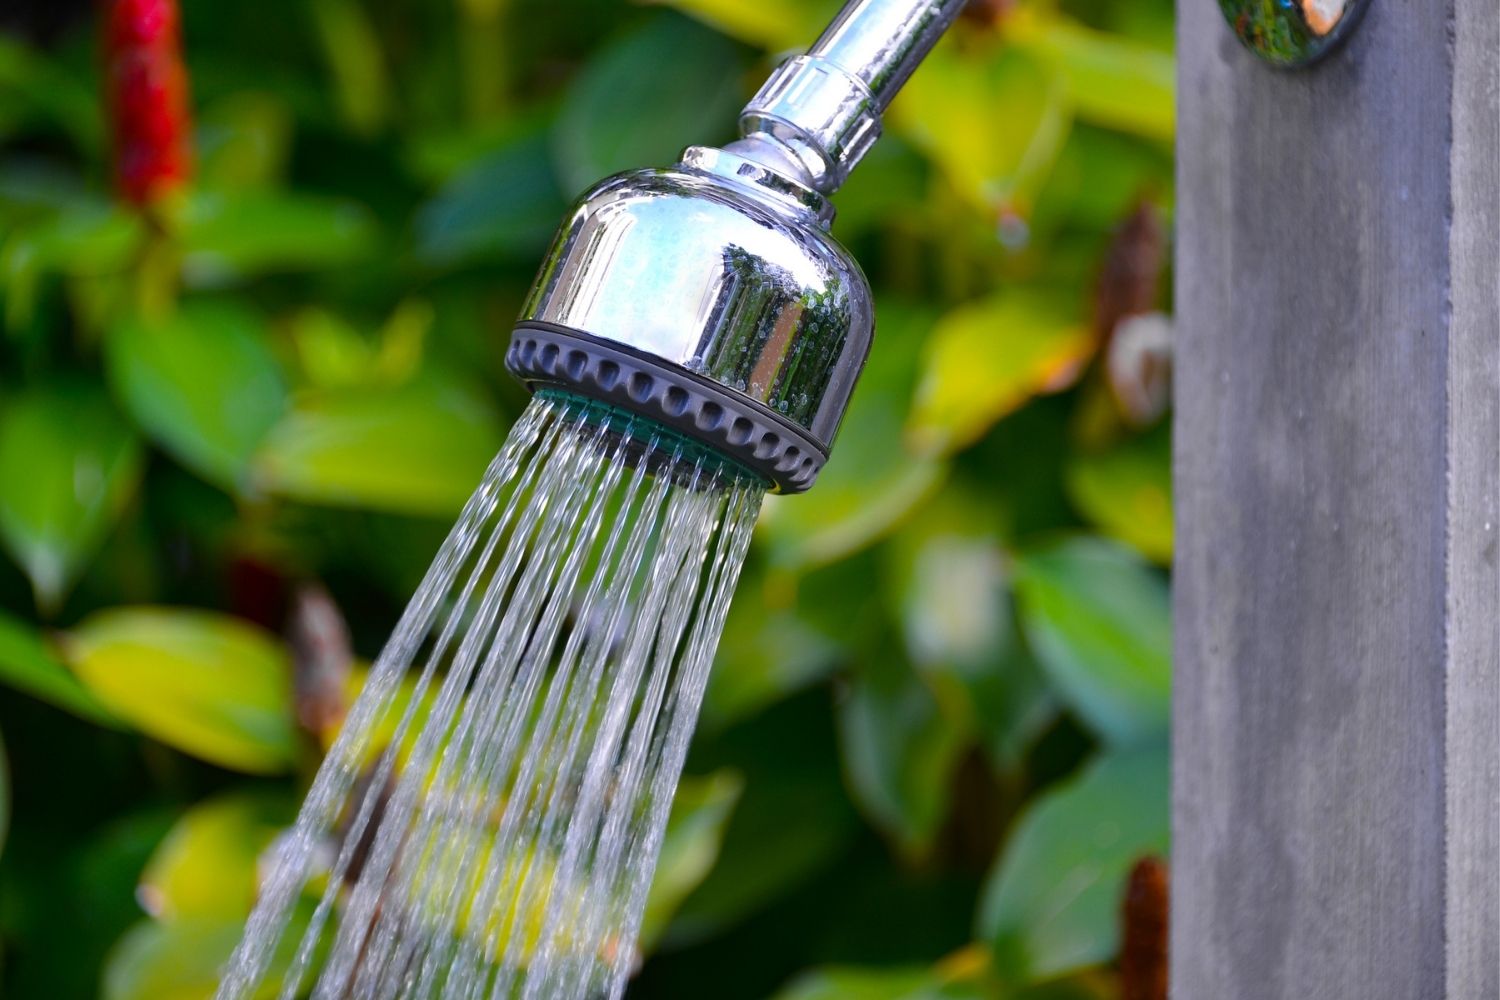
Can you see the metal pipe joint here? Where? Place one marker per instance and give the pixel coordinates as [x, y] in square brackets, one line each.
[823, 108]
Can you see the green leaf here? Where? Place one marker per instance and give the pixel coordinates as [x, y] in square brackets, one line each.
[83, 239]
[33, 88]
[1052, 904]
[1099, 621]
[1087, 986]
[771, 24]
[691, 96]
[953, 596]
[32, 185]
[419, 448]
[507, 205]
[228, 235]
[1127, 491]
[436, 155]
[993, 119]
[183, 959]
[986, 359]
[900, 750]
[355, 61]
[792, 821]
[767, 652]
[1012, 704]
[891, 185]
[179, 961]
[69, 464]
[332, 352]
[695, 831]
[1099, 180]
[871, 483]
[210, 685]
[954, 587]
[206, 868]
[1112, 81]
[203, 383]
[84, 236]
[4, 796]
[27, 664]
[242, 141]
[874, 984]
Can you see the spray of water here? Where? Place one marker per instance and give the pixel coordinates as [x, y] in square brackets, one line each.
[488, 820]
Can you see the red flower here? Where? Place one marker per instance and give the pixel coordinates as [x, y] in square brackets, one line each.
[148, 98]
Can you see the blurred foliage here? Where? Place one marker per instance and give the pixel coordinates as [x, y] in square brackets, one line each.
[933, 744]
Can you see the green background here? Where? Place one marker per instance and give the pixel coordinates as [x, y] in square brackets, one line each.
[935, 736]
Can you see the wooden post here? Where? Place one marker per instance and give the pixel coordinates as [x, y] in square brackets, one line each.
[1337, 730]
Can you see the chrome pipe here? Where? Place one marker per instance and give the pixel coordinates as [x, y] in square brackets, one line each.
[882, 41]
[823, 108]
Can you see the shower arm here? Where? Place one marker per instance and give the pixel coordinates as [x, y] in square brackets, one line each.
[819, 113]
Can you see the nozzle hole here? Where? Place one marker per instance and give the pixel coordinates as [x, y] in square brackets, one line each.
[577, 363]
[710, 416]
[640, 386]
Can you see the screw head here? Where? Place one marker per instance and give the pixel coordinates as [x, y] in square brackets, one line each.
[1292, 33]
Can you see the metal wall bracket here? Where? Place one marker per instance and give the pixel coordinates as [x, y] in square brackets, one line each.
[1292, 33]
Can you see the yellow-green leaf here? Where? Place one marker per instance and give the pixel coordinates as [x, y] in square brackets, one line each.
[418, 448]
[986, 359]
[210, 685]
[69, 463]
[183, 959]
[85, 238]
[771, 24]
[242, 141]
[355, 62]
[331, 352]
[28, 664]
[1111, 80]
[993, 120]
[203, 383]
[178, 961]
[1127, 491]
[380, 730]
[206, 868]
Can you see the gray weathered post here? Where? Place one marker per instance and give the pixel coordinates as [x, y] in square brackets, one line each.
[1337, 734]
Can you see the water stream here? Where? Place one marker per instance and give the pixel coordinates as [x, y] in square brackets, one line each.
[487, 823]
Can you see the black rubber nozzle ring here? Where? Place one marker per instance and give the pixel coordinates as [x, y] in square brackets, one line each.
[724, 419]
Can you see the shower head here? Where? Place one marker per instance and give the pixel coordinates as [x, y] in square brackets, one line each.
[709, 296]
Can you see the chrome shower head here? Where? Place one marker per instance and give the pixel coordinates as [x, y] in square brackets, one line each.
[709, 296]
